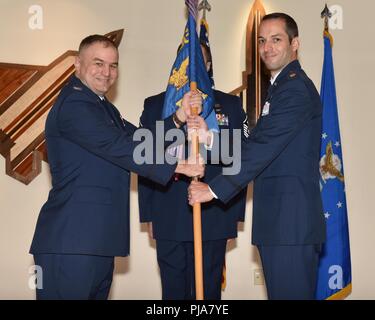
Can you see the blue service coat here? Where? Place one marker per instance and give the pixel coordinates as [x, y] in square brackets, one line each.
[90, 152]
[282, 157]
[167, 206]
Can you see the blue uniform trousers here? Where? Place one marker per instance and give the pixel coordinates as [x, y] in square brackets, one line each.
[176, 263]
[74, 277]
[290, 272]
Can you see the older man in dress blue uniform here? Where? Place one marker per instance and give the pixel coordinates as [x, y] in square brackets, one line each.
[85, 221]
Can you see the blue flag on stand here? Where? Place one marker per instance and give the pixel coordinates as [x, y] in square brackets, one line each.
[334, 273]
[189, 67]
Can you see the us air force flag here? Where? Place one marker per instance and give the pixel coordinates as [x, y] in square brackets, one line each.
[334, 274]
[189, 67]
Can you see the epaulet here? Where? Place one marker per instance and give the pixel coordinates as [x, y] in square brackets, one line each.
[292, 75]
[77, 88]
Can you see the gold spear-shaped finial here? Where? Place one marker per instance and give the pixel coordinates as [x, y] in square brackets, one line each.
[326, 14]
[205, 6]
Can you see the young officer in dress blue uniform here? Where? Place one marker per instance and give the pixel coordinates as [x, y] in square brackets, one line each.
[282, 157]
[167, 211]
[85, 221]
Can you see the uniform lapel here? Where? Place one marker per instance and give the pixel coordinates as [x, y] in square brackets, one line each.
[109, 108]
[112, 112]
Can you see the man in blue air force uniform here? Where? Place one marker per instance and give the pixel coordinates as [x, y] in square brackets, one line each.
[85, 222]
[282, 157]
[170, 218]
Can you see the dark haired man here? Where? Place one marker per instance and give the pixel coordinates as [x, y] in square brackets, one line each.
[282, 157]
[85, 222]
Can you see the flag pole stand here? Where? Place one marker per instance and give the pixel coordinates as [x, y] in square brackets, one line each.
[197, 217]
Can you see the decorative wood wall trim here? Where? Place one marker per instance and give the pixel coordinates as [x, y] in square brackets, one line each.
[255, 79]
[27, 93]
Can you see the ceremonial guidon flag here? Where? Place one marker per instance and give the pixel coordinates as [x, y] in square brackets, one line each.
[334, 274]
[189, 67]
[203, 39]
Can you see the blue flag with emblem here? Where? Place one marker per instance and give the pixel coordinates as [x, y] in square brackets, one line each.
[189, 67]
[334, 273]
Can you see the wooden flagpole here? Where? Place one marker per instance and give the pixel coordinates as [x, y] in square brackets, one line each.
[197, 216]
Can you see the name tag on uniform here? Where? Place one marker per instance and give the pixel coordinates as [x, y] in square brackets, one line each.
[222, 119]
[266, 109]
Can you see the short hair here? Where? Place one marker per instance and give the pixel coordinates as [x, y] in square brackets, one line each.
[90, 40]
[291, 27]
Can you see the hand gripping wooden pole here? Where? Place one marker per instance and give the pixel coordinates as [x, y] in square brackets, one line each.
[197, 216]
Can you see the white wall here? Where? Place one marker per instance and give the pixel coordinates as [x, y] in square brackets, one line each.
[153, 32]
